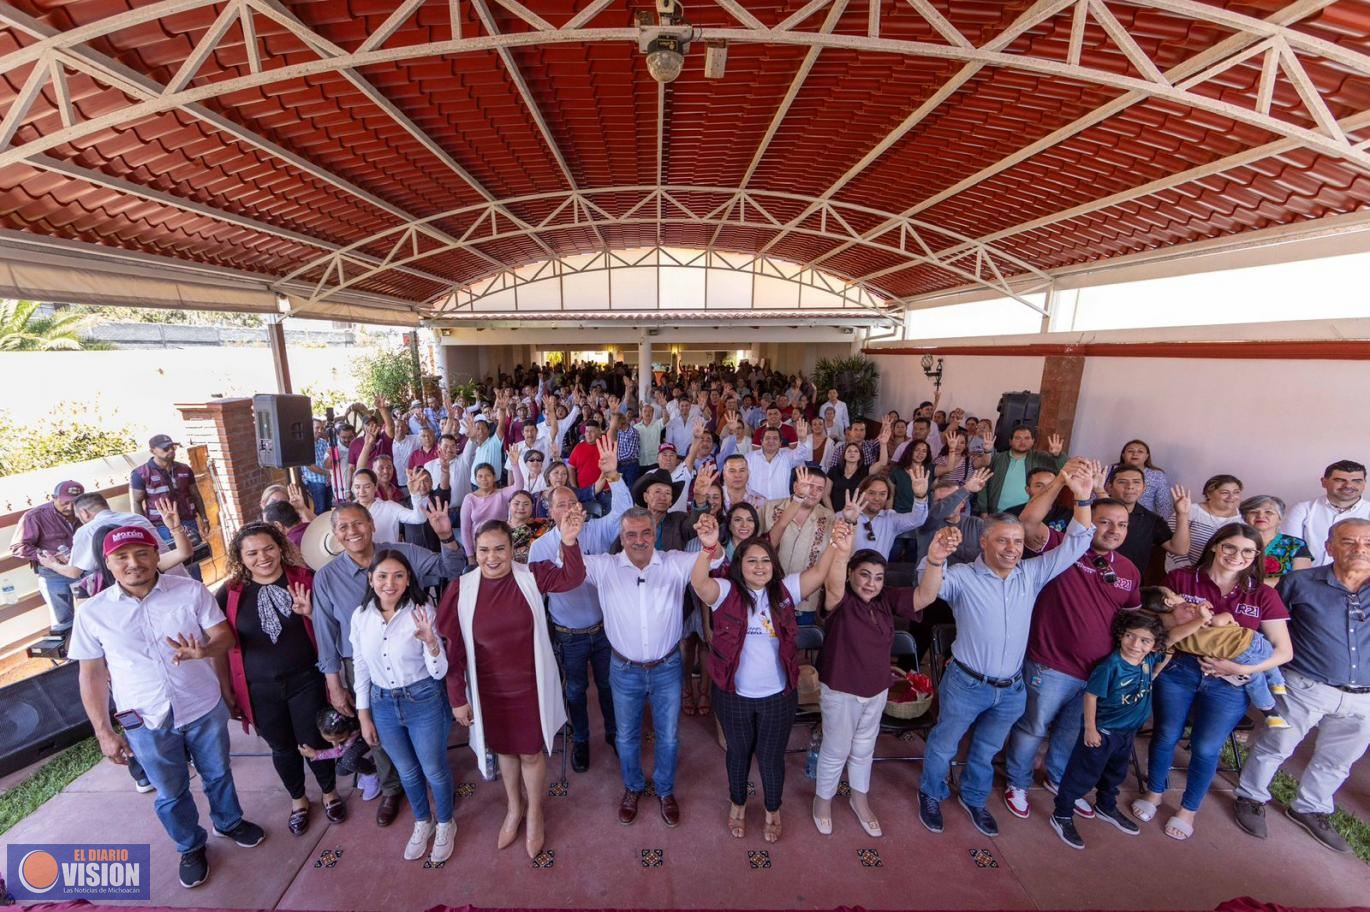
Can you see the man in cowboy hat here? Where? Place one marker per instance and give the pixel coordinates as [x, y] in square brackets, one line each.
[656, 492]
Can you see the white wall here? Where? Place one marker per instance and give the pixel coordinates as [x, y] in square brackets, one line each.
[971, 382]
[1273, 424]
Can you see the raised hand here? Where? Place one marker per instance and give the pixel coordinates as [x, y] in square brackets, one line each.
[608, 453]
[1097, 474]
[706, 527]
[944, 544]
[708, 475]
[295, 496]
[423, 626]
[185, 647]
[171, 514]
[1081, 483]
[918, 476]
[855, 506]
[697, 429]
[1182, 501]
[438, 519]
[414, 476]
[571, 525]
[978, 479]
[301, 600]
[886, 431]
[801, 428]
[842, 537]
[1055, 444]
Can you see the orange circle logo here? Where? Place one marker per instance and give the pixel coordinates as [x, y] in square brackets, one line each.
[38, 871]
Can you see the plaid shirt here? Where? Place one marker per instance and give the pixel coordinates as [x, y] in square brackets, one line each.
[320, 454]
[629, 445]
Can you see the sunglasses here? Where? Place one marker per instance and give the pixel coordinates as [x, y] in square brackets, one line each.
[870, 532]
[1105, 569]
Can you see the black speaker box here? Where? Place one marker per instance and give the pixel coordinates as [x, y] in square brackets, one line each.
[40, 716]
[285, 430]
[1016, 410]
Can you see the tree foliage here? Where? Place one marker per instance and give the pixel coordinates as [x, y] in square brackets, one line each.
[388, 373]
[23, 329]
[57, 439]
[856, 379]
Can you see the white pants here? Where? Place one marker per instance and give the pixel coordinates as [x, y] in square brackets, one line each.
[1343, 724]
[850, 727]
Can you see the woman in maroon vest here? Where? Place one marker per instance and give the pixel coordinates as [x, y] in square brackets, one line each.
[753, 662]
[270, 673]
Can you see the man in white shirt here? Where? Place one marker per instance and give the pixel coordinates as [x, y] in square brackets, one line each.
[641, 591]
[154, 639]
[1344, 484]
[771, 466]
[840, 421]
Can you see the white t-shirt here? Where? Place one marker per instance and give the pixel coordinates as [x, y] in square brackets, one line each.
[759, 672]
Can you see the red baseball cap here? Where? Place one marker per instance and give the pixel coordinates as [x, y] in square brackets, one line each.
[68, 491]
[125, 536]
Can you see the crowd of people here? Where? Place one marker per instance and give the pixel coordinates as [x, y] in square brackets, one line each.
[496, 553]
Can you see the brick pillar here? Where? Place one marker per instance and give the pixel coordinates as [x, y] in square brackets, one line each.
[226, 428]
[1060, 392]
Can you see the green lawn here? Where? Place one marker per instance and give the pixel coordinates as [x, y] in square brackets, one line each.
[51, 778]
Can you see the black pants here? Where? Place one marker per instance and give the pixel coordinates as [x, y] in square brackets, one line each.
[757, 727]
[285, 713]
[1101, 768]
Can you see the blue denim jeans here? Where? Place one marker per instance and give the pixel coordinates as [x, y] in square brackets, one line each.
[1055, 705]
[322, 495]
[56, 591]
[578, 653]
[162, 753]
[1259, 687]
[965, 702]
[634, 687]
[413, 723]
[1217, 707]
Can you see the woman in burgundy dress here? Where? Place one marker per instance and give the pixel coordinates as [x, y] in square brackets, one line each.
[502, 675]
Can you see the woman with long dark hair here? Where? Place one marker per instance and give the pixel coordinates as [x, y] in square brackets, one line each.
[737, 524]
[754, 662]
[399, 663]
[901, 473]
[1229, 578]
[270, 673]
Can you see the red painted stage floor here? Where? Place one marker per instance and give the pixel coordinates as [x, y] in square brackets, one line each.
[599, 864]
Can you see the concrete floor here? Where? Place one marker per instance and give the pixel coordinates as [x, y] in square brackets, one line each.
[598, 863]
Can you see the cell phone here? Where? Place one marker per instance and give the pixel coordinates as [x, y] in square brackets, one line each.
[129, 719]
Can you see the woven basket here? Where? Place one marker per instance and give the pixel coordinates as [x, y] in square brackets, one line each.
[910, 710]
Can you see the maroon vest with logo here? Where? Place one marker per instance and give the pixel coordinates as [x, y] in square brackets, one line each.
[730, 631]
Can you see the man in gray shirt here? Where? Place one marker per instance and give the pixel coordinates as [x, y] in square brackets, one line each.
[992, 601]
[1327, 687]
[339, 589]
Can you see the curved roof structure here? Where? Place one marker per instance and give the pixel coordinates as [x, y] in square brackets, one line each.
[389, 159]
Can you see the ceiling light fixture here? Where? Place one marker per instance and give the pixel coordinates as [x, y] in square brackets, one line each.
[666, 43]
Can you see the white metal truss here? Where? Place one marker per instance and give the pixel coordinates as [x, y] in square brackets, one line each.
[912, 241]
[1283, 53]
[470, 299]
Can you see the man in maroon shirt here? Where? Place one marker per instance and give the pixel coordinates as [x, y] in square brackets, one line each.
[1070, 633]
[46, 531]
[162, 476]
[788, 437]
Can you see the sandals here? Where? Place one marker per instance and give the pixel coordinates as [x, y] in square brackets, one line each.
[1144, 810]
[737, 821]
[687, 700]
[1179, 829]
[299, 821]
[771, 831]
[705, 707]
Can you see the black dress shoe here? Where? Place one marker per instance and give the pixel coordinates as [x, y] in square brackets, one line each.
[299, 821]
[387, 810]
[580, 756]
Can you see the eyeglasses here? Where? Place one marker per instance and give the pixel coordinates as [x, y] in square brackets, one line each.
[1105, 569]
[1234, 551]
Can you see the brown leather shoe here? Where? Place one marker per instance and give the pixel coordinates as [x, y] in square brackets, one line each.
[670, 811]
[627, 808]
[388, 809]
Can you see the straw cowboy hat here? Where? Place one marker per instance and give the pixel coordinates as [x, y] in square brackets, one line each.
[320, 545]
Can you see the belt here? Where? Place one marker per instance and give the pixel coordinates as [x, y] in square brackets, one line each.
[652, 664]
[986, 679]
[1347, 688]
[578, 630]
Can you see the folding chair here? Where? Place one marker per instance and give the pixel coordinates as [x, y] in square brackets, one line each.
[904, 653]
[809, 639]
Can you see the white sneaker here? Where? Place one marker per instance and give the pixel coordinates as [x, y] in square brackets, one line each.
[1017, 802]
[1082, 807]
[417, 845]
[444, 842]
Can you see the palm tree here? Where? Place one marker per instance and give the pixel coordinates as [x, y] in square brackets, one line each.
[22, 330]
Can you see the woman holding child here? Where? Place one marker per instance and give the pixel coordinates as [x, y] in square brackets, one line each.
[1229, 579]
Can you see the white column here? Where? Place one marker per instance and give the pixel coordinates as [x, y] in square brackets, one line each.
[644, 371]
